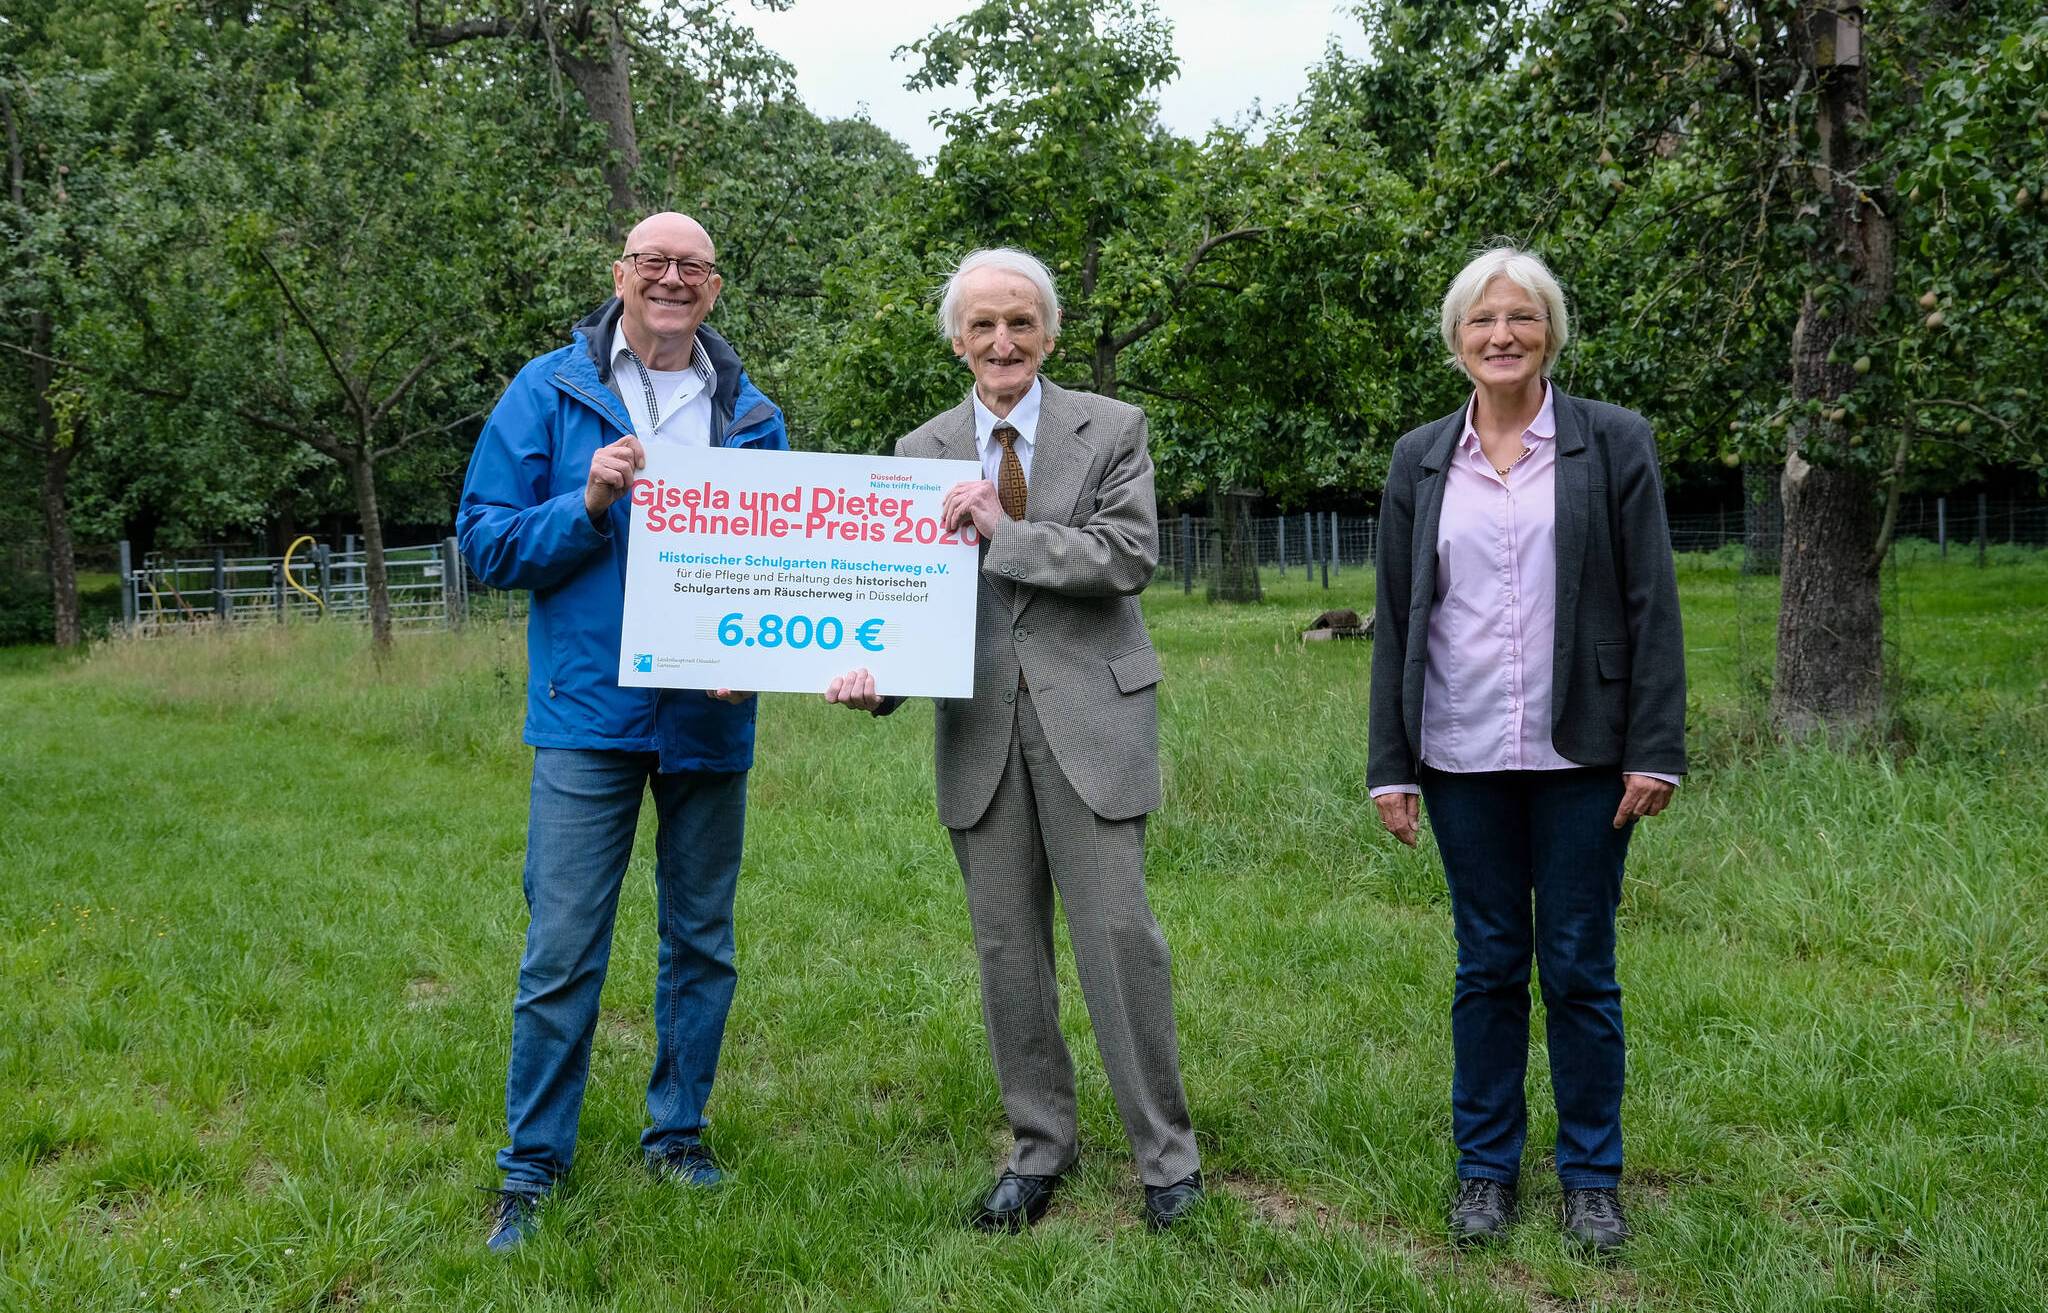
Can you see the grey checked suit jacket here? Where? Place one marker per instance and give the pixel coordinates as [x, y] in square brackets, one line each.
[1618, 672]
[1058, 600]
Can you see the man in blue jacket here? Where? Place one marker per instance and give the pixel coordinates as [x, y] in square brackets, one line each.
[545, 508]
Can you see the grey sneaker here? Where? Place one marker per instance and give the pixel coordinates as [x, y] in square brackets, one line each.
[1594, 1219]
[1481, 1212]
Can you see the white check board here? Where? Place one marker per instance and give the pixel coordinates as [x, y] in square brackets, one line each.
[774, 571]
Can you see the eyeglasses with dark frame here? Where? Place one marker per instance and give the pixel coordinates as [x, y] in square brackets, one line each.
[653, 266]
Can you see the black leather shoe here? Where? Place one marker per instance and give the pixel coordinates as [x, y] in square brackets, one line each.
[1015, 1203]
[1481, 1212]
[1167, 1204]
[1594, 1219]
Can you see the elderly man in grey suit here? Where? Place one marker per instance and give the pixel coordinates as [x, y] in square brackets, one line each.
[1046, 774]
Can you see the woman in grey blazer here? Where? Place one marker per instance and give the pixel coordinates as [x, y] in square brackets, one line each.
[1528, 682]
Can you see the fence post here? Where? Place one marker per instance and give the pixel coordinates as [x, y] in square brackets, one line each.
[348, 550]
[1308, 539]
[325, 557]
[1983, 526]
[1329, 546]
[277, 587]
[1280, 542]
[129, 603]
[451, 583]
[1187, 553]
[1941, 524]
[1336, 542]
[221, 605]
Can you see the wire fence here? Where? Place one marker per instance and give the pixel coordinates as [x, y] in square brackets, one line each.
[430, 584]
[1317, 544]
[167, 594]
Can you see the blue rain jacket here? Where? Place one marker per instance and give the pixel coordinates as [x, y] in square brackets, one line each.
[521, 524]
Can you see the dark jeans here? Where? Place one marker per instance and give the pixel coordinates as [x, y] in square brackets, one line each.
[1509, 838]
[579, 838]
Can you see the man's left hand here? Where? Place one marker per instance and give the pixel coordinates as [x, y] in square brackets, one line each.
[974, 502]
[1641, 796]
[732, 695]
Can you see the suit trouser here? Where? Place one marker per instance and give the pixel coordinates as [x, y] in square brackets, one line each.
[1035, 835]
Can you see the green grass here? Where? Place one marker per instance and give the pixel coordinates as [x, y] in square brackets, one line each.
[260, 918]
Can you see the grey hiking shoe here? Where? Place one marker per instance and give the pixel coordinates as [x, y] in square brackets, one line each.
[1481, 1212]
[1594, 1219]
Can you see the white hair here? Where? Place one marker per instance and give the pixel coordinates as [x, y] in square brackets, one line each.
[1525, 270]
[1009, 260]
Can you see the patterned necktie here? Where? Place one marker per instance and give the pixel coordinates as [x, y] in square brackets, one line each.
[1010, 489]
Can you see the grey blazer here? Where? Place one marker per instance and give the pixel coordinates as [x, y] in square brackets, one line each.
[1059, 601]
[1618, 682]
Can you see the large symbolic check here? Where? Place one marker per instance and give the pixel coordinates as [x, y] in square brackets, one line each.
[775, 571]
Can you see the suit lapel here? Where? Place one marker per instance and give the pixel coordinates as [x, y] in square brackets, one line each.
[1574, 491]
[1429, 509]
[1059, 459]
[955, 434]
[1059, 464]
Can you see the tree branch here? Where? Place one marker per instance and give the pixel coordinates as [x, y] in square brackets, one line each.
[382, 452]
[426, 363]
[314, 438]
[1893, 481]
[370, 370]
[1182, 397]
[348, 390]
[124, 380]
[1145, 326]
[454, 33]
[1970, 406]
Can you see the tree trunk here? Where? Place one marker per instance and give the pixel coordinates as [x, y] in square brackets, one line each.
[1830, 675]
[606, 84]
[1233, 554]
[1763, 520]
[58, 452]
[63, 558]
[1104, 366]
[362, 474]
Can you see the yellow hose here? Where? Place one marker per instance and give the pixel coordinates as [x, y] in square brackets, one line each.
[297, 543]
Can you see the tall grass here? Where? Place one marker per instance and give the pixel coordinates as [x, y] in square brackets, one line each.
[260, 916]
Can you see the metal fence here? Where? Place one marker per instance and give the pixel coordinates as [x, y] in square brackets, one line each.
[167, 594]
[1315, 544]
[431, 585]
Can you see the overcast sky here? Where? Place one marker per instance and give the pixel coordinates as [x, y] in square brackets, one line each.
[1232, 53]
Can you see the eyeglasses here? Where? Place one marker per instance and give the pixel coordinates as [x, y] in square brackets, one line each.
[1519, 322]
[653, 266]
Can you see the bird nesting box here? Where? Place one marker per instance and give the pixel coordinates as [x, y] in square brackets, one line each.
[1837, 35]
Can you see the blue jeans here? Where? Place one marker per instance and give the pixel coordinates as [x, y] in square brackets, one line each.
[1510, 838]
[579, 838]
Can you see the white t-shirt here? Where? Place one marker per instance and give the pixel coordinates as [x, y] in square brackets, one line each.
[681, 402]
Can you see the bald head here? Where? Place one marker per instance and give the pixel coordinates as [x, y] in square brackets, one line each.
[666, 281]
[669, 231]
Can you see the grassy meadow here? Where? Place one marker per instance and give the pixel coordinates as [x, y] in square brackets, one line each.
[260, 919]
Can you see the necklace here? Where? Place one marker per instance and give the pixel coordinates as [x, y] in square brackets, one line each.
[1502, 470]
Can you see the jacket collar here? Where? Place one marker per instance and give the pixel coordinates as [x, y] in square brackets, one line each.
[595, 331]
[1446, 433]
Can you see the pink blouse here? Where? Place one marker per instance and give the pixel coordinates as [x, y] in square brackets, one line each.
[1486, 693]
